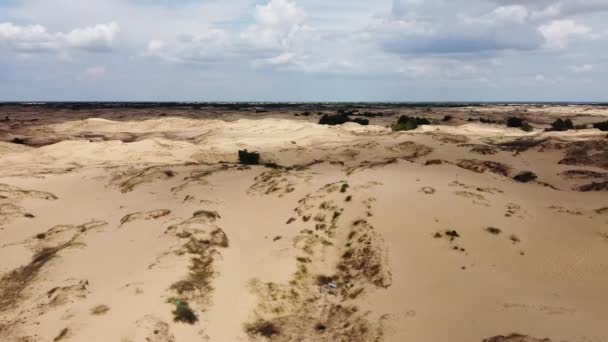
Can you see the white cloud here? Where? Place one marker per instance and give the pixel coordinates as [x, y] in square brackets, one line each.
[99, 37]
[276, 25]
[559, 33]
[34, 38]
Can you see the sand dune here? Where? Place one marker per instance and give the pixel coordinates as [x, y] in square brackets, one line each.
[344, 233]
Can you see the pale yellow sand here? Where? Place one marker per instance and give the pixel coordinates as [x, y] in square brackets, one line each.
[544, 275]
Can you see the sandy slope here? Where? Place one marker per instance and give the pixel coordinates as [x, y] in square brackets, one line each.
[98, 239]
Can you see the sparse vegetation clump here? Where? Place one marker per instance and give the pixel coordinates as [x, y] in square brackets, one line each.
[64, 333]
[262, 328]
[408, 123]
[183, 313]
[560, 125]
[249, 158]
[526, 127]
[493, 230]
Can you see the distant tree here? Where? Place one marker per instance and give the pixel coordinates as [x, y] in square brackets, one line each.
[602, 126]
[560, 125]
[515, 122]
[249, 158]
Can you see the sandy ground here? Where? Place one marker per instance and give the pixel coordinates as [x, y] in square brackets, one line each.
[110, 227]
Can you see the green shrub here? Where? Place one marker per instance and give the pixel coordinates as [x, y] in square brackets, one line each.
[249, 158]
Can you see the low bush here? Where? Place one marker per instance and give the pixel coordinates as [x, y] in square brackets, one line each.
[526, 127]
[408, 123]
[249, 158]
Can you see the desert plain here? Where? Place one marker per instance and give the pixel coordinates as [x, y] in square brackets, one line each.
[139, 223]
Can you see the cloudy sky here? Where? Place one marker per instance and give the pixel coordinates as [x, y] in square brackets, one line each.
[304, 50]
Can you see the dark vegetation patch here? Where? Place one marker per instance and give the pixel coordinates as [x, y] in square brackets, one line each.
[525, 177]
[262, 328]
[183, 313]
[249, 158]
